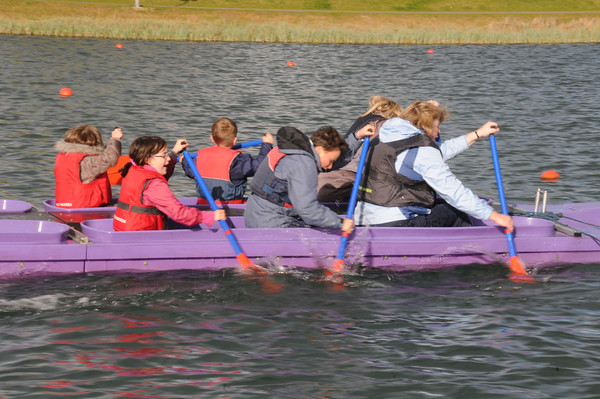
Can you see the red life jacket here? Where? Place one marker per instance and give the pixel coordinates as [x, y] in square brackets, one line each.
[70, 191]
[214, 164]
[131, 214]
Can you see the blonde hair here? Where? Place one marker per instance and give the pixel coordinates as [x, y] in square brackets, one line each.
[84, 134]
[224, 131]
[422, 114]
[383, 106]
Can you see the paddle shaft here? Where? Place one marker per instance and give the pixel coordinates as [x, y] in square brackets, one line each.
[509, 235]
[242, 258]
[252, 143]
[352, 204]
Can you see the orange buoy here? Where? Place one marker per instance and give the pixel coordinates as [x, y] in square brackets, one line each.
[65, 92]
[291, 63]
[550, 175]
[430, 51]
[119, 45]
[113, 172]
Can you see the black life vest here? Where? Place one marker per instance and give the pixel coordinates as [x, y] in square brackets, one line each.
[382, 185]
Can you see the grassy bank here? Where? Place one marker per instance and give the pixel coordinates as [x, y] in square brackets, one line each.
[310, 21]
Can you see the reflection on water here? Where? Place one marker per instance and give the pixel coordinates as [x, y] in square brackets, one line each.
[461, 331]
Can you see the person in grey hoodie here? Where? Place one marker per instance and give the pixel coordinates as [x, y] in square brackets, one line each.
[407, 182]
[284, 188]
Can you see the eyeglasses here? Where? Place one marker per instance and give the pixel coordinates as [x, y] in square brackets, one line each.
[165, 156]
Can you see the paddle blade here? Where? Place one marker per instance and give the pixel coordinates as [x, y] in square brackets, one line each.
[248, 266]
[516, 266]
[244, 261]
[338, 265]
[518, 273]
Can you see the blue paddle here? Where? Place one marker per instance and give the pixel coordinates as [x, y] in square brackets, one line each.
[339, 261]
[241, 256]
[515, 264]
[247, 144]
[252, 143]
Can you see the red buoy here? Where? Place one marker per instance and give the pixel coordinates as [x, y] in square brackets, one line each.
[119, 45]
[430, 51]
[291, 63]
[65, 92]
[550, 175]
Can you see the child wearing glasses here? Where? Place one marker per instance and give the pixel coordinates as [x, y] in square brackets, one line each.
[225, 170]
[146, 200]
[81, 165]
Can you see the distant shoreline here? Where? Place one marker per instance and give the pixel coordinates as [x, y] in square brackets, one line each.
[224, 24]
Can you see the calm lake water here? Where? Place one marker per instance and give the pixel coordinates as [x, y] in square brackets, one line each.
[465, 332]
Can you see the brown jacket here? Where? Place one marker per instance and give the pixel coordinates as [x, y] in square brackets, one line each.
[92, 167]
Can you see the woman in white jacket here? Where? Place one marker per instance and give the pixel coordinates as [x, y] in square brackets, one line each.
[407, 182]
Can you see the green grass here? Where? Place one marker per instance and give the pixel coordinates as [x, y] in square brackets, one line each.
[310, 21]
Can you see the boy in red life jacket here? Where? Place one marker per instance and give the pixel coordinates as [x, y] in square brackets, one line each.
[146, 200]
[81, 165]
[224, 170]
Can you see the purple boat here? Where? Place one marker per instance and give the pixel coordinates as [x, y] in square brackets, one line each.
[54, 245]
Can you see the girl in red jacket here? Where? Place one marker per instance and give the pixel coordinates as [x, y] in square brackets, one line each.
[81, 165]
[146, 200]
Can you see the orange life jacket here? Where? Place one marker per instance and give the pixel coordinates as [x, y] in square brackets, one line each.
[114, 176]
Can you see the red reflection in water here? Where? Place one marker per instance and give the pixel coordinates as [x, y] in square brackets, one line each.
[141, 338]
[142, 353]
[137, 394]
[59, 384]
[136, 321]
[159, 345]
[68, 330]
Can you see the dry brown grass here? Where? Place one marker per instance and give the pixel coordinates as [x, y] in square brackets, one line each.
[170, 23]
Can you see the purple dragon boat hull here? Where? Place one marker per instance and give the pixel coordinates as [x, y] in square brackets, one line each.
[33, 247]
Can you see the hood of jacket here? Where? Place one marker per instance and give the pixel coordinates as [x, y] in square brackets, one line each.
[292, 141]
[63, 146]
[290, 138]
[397, 129]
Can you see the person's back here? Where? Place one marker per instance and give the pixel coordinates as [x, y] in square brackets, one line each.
[81, 166]
[224, 170]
